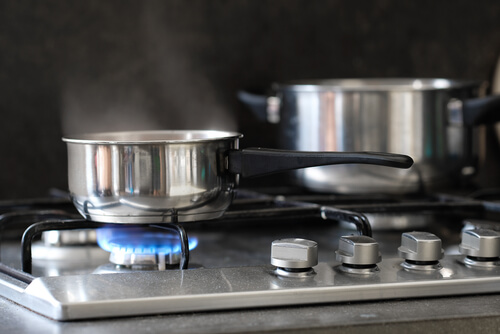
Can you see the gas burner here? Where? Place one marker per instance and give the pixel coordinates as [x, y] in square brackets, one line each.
[142, 248]
[70, 238]
[42, 252]
[67, 246]
[399, 222]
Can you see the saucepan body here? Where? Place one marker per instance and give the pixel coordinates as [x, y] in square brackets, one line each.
[147, 177]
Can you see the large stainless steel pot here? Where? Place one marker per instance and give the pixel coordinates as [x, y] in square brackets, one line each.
[162, 176]
[428, 119]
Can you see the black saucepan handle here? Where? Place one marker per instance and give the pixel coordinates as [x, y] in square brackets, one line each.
[262, 161]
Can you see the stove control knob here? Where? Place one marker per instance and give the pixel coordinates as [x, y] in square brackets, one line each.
[420, 247]
[480, 243]
[294, 253]
[358, 251]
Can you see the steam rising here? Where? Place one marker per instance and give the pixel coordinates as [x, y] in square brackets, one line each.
[156, 82]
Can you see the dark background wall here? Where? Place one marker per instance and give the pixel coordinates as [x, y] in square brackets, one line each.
[69, 66]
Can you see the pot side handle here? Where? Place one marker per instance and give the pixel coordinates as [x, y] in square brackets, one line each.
[256, 103]
[484, 110]
[265, 108]
[261, 161]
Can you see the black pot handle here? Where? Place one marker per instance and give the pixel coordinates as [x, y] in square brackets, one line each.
[256, 103]
[262, 161]
[484, 110]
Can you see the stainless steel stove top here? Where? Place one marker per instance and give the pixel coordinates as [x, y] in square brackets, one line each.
[140, 293]
[230, 270]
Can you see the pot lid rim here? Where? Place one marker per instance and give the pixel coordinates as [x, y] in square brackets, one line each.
[376, 84]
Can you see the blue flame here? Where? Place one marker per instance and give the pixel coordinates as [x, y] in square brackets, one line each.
[141, 240]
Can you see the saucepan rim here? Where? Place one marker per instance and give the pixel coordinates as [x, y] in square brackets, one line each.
[151, 137]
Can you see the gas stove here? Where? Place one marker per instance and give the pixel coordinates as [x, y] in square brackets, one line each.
[273, 248]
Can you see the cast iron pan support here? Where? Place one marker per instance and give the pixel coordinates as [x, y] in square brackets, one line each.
[19, 217]
[73, 224]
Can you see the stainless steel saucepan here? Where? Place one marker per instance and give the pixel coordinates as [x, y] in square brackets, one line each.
[163, 176]
[429, 119]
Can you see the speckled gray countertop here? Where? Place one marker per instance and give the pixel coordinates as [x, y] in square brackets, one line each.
[479, 314]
